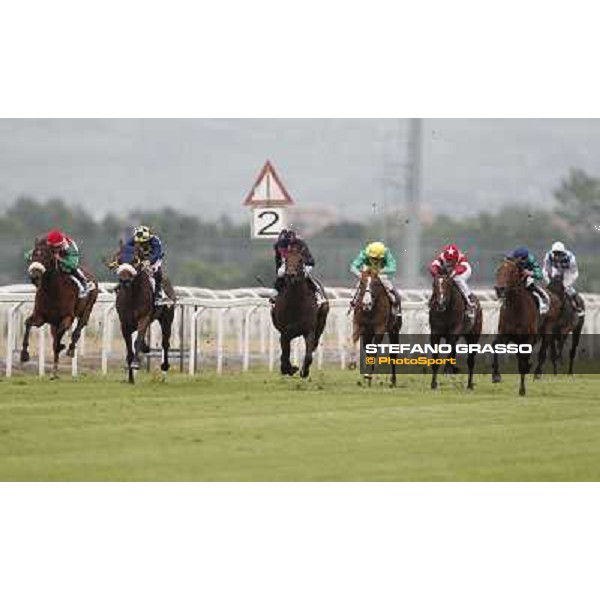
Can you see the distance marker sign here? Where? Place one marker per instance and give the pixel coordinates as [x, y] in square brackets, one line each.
[268, 200]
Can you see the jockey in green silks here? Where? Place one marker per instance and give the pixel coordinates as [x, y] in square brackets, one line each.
[377, 257]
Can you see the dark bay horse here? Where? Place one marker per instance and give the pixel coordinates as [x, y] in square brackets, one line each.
[57, 302]
[447, 320]
[373, 316]
[519, 319]
[569, 322]
[296, 314]
[136, 310]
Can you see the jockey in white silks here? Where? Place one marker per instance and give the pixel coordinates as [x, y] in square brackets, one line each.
[562, 262]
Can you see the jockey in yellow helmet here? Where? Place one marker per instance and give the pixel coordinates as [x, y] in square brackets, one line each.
[376, 256]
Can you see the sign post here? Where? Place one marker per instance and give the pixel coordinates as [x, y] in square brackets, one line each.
[268, 200]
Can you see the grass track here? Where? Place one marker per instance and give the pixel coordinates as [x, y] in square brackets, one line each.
[260, 427]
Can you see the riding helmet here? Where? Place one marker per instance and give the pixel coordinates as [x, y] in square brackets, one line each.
[376, 250]
[55, 238]
[142, 233]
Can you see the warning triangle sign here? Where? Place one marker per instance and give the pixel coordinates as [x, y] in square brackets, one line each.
[268, 190]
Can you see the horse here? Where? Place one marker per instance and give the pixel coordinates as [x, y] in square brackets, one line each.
[519, 319]
[136, 310]
[295, 313]
[56, 302]
[446, 320]
[569, 322]
[373, 316]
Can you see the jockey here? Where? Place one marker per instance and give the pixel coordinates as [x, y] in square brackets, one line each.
[453, 262]
[152, 253]
[67, 252]
[533, 273]
[560, 261]
[376, 256]
[286, 239]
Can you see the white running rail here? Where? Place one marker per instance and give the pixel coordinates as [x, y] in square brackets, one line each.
[214, 329]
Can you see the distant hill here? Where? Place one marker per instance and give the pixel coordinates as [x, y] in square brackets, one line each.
[207, 166]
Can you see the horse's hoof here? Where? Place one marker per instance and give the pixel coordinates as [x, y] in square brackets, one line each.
[521, 392]
[61, 347]
[537, 376]
[145, 348]
[352, 366]
[71, 352]
[470, 387]
[135, 365]
[434, 385]
[496, 378]
[25, 356]
[164, 367]
[304, 374]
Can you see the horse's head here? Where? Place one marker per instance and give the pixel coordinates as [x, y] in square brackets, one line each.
[42, 259]
[508, 276]
[294, 265]
[368, 277]
[441, 292]
[557, 284]
[126, 272]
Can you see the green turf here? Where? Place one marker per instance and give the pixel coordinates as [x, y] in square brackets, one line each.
[258, 426]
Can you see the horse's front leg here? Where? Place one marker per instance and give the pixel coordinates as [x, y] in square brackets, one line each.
[286, 367]
[524, 367]
[451, 368]
[574, 343]
[166, 323]
[496, 376]
[542, 354]
[471, 366]
[434, 340]
[142, 328]
[58, 331]
[310, 343]
[127, 333]
[31, 321]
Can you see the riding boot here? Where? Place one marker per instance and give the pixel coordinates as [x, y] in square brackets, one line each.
[160, 298]
[85, 286]
[470, 310]
[578, 306]
[543, 303]
[316, 288]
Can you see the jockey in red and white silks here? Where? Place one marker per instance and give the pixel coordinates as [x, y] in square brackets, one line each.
[453, 262]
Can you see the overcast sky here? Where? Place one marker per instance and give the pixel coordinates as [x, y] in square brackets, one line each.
[207, 166]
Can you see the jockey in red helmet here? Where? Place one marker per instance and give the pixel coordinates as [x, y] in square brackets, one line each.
[454, 263]
[67, 252]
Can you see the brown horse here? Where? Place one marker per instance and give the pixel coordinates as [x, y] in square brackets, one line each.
[373, 316]
[447, 320]
[296, 314]
[569, 322]
[519, 319]
[57, 302]
[136, 310]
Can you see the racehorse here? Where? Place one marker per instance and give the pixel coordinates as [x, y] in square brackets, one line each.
[136, 310]
[519, 319]
[57, 302]
[296, 314]
[569, 322]
[447, 320]
[373, 316]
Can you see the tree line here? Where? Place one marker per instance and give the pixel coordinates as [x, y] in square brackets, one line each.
[220, 253]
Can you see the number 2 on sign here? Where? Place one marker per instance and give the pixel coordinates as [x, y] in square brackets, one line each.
[267, 222]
